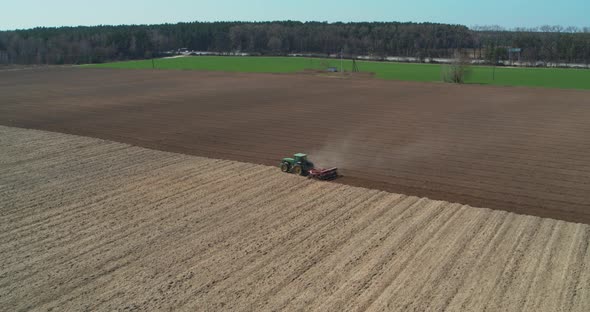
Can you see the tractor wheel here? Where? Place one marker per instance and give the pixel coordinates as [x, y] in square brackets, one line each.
[285, 167]
[298, 170]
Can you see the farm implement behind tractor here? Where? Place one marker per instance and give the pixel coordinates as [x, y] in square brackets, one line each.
[301, 166]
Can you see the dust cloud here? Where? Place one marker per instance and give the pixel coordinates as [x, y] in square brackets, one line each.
[356, 150]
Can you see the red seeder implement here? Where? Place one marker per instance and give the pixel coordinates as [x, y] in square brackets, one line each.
[323, 174]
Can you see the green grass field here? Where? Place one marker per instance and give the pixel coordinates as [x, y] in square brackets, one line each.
[535, 77]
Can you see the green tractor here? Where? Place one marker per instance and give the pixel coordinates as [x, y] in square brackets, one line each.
[298, 164]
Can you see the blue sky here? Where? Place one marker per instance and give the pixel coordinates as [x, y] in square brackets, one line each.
[507, 13]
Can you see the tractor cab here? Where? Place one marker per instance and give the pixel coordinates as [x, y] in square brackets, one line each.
[300, 158]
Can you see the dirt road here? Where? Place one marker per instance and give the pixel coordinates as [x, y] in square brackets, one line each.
[518, 149]
[87, 224]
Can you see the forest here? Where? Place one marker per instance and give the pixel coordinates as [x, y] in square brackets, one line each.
[98, 44]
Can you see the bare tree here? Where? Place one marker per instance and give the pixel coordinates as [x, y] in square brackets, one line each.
[458, 70]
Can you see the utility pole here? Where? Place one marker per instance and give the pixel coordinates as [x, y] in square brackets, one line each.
[341, 61]
[355, 68]
[494, 73]
[495, 60]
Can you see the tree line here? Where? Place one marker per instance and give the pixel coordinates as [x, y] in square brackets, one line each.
[96, 44]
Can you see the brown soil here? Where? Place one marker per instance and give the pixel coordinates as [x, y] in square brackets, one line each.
[518, 149]
[93, 225]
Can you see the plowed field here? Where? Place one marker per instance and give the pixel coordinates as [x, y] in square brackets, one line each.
[87, 224]
[517, 149]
